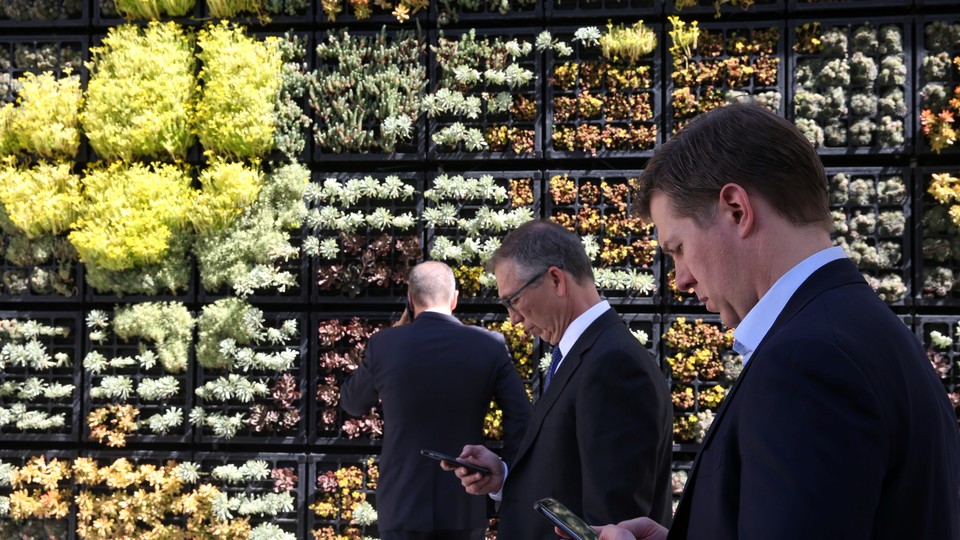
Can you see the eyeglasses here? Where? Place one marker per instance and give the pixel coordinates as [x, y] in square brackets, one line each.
[508, 301]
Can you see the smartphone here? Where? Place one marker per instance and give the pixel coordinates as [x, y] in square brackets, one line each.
[567, 521]
[444, 457]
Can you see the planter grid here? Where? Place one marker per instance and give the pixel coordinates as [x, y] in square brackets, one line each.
[523, 190]
[115, 347]
[49, 528]
[516, 134]
[405, 150]
[626, 122]
[935, 74]
[59, 14]
[69, 323]
[762, 8]
[585, 207]
[247, 435]
[862, 200]
[156, 459]
[945, 360]
[338, 350]
[937, 241]
[291, 522]
[583, 9]
[378, 17]
[272, 16]
[453, 11]
[52, 281]
[331, 509]
[718, 56]
[20, 54]
[692, 392]
[372, 264]
[859, 101]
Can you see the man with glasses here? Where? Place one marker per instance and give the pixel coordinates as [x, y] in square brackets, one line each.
[599, 440]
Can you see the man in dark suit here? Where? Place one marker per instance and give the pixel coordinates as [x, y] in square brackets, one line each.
[837, 426]
[435, 378]
[600, 437]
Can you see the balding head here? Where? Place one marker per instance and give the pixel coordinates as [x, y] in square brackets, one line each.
[432, 286]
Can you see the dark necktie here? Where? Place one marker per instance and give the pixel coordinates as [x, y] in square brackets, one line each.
[555, 357]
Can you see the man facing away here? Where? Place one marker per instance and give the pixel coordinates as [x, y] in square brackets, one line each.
[435, 378]
[837, 426]
[600, 437]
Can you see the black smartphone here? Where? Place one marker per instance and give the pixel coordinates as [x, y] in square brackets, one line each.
[567, 521]
[451, 459]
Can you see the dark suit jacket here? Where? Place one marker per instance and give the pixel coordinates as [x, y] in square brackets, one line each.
[599, 440]
[435, 377]
[836, 428]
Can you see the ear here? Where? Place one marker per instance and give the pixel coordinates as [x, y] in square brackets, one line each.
[736, 209]
[453, 302]
[559, 279]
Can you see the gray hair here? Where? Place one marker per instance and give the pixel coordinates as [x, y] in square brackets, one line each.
[432, 283]
[537, 245]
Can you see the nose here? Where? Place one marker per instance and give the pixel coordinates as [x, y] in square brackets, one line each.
[515, 316]
[682, 276]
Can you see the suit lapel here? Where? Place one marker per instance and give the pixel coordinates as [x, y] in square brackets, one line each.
[571, 362]
[831, 275]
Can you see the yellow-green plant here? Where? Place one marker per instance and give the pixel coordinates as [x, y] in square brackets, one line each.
[228, 189]
[628, 44]
[224, 9]
[39, 200]
[44, 121]
[684, 39]
[130, 213]
[945, 189]
[141, 93]
[153, 9]
[241, 78]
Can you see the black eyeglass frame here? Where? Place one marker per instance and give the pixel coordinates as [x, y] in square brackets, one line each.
[508, 301]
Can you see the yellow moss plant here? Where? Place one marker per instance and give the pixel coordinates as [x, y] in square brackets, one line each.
[228, 190]
[241, 78]
[39, 200]
[44, 121]
[130, 214]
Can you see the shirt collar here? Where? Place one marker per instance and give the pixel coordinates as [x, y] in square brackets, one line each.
[754, 327]
[580, 324]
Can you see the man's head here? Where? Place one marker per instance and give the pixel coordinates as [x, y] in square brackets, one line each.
[745, 144]
[739, 197]
[544, 278]
[432, 286]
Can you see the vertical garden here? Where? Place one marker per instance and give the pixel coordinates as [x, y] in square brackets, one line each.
[208, 206]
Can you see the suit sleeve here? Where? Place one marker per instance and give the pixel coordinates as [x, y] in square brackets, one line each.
[623, 415]
[357, 393]
[513, 401]
[813, 445]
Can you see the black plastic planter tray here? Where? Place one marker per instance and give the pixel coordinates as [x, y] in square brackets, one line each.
[269, 19]
[291, 522]
[68, 406]
[105, 15]
[354, 265]
[92, 296]
[318, 464]
[378, 17]
[948, 368]
[601, 10]
[598, 86]
[39, 528]
[486, 120]
[468, 209]
[705, 8]
[697, 383]
[872, 206]
[68, 14]
[603, 209]
[404, 151]
[115, 347]
[835, 6]
[874, 89]
[951, 81]
[247, 435]
[18, 55]
[328, 418]
[945, 236]
[725, 32]
[19, 284]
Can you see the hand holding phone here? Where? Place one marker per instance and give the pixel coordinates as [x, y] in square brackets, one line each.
[455, 460]
[567, 521]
